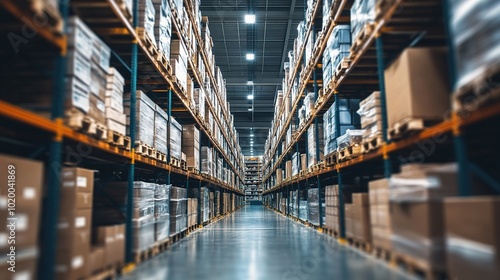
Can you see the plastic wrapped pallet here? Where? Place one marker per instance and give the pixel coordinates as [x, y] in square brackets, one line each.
[175, 139]
[191, 145]
[475, 33]
[178, 210]
[312, 149]
[314, 205]
[347, 118]
[217, 202]
[160, 133]
[351, 137]
[371, 116]
[143, 220]
[144, 117]
[295, 163]
[163, 26]
[162, 212]
[116, 120]
[362, 13]
[303, 214]
[146, 18]
[416, 196]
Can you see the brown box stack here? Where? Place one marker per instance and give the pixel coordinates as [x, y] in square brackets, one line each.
[191, 145]
[74, 227]
[416, 196]
[28, 188]
[111, 239]
[279, 175]
[379, 214]
[417, 76]
[331, 215]
[288, 171]
[472, 237]
[361, 221]
[192, 211]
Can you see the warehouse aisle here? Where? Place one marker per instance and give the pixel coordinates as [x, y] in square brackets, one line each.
[256, 243]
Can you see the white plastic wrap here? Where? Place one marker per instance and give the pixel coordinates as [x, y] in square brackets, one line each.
[362, 12]
[175, 139]
[178, 210]
[351, 137]
[163, 26]
[144, 220]
[162, 213]
[144, 117]
[312, 157]
[161, 119]
[147, 18]
[206, 160]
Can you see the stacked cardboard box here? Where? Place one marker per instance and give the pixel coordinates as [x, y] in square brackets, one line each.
[146, 18]
[347, 118]
[74, 226]
[313, 146]
[217, 205]
[160, 132]
[99, 66]
[472, 247]
[416, 196]
[109, 248]
[408, 98]
[337, 48]
[179, 62]
[143, 219]
[352, 137]
[362, 13]
[175, 139]
[27, 186]
[371, 116]
[191, 145]
[116, 120]
[178, 210]
[144, 117]
[162, 212]
[331, 212]
[360, 217]
[279, 176]
[288, 169]
[206, 160]
[163, 26]
[192, 212]
[199, 101]
[212, 205]
[379, 214]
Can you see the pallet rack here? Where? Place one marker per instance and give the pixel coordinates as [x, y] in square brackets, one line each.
[399, 24]
[108, 20]
[253, 177]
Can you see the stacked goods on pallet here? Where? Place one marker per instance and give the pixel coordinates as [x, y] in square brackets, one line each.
[108, 250]
[475, 35]
[351, 138]
[74, 226]
[192, 212]
[303, 211]
[295, 202]
[143, 219]
[162, 212]
[371, 116]
[144, 117]
[326, 12]
[160, 132]
[362, 13]
[379, 214]
[279, 176]
[295, 163]
[408, 98]
[283, 205]
[204, 200]
[178, 210]
[309, 101]
[175, 139]
[331, 211]
[99, 67]
[315, 144]
[199, 101]
[206, 160]
[313, 204]
[217, 205]
[179, 62]
[416, 196]
[288, 169]
[116, 120]
[81, 79]
[337, 48]
[23, 177]
[471, 228]
[163, 26]
[146, 19]
[358, 216]
[303, 162]
[301, 38]
[191, 145]
[347, 118]
[309, 47]
[212, 205]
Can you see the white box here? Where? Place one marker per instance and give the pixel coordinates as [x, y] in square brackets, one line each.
[78, 66]
[78, 95]
[80, 36]
[116, 116]
[115, 104]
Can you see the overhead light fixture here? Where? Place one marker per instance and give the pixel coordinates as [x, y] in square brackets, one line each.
[250, 19]
[250, 83]
[250, 109]
[250, 56]
[250, 96]
[251, 135]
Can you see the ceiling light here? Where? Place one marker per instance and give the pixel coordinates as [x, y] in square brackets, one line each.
[250, 96]
[250, 19]
[251, 135]
[250, 56]
[250, 83]
[250, 109]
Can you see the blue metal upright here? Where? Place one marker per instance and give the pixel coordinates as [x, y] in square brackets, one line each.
[339, 173]
[51, 202]
[383, 103]
[318, 157]
[131, 175]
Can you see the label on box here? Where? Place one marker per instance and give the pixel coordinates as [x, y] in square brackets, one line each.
[100, 105]
[80, 222]
[79, 96]
[77, 262]
[63, 225]
[22, 222]
[22, 275]
[120, 236]
[61, 268]
[81, 182]
[29, 193]
[109, 239]
[3, 202]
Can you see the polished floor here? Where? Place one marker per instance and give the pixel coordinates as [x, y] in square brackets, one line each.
[256, 243]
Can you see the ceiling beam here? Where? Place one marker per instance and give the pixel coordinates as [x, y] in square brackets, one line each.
[285, 43]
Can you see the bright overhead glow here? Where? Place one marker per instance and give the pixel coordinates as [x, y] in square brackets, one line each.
[250, 83]
[250, 96]
[251, 135]
[250, 19]
[250, 109]
[250, 56]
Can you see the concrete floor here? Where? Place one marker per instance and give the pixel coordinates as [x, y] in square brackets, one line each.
[256, 244]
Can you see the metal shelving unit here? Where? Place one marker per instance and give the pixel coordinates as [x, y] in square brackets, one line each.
[253, 178]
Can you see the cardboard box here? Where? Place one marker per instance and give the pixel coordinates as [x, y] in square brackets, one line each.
[76, 200]
[26, 228]
[360, 199]
[472, 233]
[119, 246]
[96, 259]
[26, 266]
[417, 76]
[69, 221]
[69, 266]
[79, 178]
[105, 237]
[379, 191]
[76, 242]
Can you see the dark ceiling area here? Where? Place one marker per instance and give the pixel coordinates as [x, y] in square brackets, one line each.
[270, 39]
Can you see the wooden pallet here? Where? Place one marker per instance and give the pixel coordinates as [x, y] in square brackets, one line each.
[161, 246]
[372, 144]
[483, 90]
[118, 139]
[331, 159]
[193, 170]
[144, 149]
[144, 255]
[418, 267]
[382, 253]
[409, 126]
[183, 165]
[46, 14]
[147, 42]
[164, 63]
[85, 124]
[175, 162]
[342, 67]
[160, 156]
[302, 173]
[192, 229]
[361, 37]
[331, 232]
[350, 152]
[104, 273]
[124, 9]
[359, 244]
